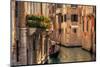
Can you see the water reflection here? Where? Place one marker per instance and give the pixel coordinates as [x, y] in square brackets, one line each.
[71, 55]
[54, 60]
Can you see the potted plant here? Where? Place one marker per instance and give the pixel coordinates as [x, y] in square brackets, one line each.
[37, 22]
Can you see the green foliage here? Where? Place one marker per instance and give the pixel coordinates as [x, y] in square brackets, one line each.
[38, 22]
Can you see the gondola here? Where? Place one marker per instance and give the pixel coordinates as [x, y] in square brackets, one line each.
[54, 51]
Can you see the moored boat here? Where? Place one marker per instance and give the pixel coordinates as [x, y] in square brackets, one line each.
[54, 50]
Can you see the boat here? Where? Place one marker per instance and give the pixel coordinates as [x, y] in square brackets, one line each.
[54, 50]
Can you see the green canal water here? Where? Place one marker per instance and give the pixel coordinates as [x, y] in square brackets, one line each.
[74, 54]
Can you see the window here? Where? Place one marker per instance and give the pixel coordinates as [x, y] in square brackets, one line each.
[73, 6]
[65, 17]
[83, 25]
[59, 5]
[53, 9]
[74, 30]
[87, 26]
[74, 18]
[60, 18]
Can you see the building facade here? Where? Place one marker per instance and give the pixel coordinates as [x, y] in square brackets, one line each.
[67, 23]
[31, 45]
[89, 28]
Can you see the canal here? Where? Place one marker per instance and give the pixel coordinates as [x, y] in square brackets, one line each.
[71, 54]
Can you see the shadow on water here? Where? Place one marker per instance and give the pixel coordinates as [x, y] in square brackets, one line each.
[54, 60]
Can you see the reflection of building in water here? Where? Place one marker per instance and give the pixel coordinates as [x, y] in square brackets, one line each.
[72, 25]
